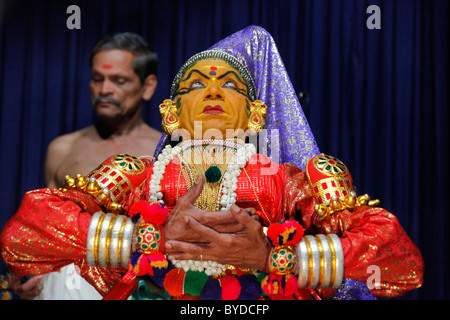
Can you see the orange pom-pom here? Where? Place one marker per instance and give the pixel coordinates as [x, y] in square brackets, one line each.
[174, 281]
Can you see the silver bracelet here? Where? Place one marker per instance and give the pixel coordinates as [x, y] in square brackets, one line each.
[109, 240]
[338, 267]
[321, 262]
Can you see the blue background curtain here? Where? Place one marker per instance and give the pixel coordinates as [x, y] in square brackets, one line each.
[378, 99]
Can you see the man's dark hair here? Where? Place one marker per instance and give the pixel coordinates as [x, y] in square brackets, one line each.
[145, 58]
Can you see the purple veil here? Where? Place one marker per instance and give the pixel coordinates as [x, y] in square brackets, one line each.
[288, 137]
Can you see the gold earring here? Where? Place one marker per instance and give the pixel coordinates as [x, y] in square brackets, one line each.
[170, 120]
[257, 117]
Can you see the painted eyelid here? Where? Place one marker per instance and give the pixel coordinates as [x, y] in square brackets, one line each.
[196, 82]
[227, 82]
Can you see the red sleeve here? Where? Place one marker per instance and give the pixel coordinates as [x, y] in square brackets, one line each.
[298, 201]
[377, 250]
[48, 232]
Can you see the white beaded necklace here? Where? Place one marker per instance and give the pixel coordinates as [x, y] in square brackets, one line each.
[228, 188]
[229, 181]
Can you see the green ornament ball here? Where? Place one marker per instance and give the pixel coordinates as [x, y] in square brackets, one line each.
[213, 174]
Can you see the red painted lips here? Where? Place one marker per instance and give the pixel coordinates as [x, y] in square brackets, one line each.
[213, 109]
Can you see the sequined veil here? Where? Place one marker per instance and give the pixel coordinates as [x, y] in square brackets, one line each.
[288, 137]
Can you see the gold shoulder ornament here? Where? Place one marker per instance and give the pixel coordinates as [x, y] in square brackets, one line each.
[333, 187]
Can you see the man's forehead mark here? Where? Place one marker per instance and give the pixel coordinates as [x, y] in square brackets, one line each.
[107, 66]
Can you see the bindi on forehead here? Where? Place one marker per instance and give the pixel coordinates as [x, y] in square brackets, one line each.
[107, 66]
[212, 71]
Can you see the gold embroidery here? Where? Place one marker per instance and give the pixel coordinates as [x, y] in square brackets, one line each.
[195, 161]
[257, 198]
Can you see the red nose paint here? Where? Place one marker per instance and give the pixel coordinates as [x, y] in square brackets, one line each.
[213, 68]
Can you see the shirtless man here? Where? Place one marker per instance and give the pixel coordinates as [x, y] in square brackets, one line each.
[123, 76]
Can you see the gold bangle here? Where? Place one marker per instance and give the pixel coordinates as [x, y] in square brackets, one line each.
[333, 261]
[127, 239]
[90, 241]
[108, 240]
[303, 264]
[97, 238]
[338, 260]
[310, 264]
[119, 244]
[322, 262]
[114, 240]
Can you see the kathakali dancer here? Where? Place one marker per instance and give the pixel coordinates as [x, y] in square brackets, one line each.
[237, 204]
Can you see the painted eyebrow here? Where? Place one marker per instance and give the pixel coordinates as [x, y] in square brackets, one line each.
[181, 91]
[196, 71]
[235, 75]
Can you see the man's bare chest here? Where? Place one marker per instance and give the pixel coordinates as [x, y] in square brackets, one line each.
[84, 157]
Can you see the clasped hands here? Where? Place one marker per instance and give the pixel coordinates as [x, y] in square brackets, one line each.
[232, 237]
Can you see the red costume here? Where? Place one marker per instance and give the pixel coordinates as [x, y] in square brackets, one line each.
[50, 228]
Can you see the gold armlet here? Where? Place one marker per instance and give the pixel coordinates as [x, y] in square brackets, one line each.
[332, 186]
[350, 202]
[112, 182]
[90, 186]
